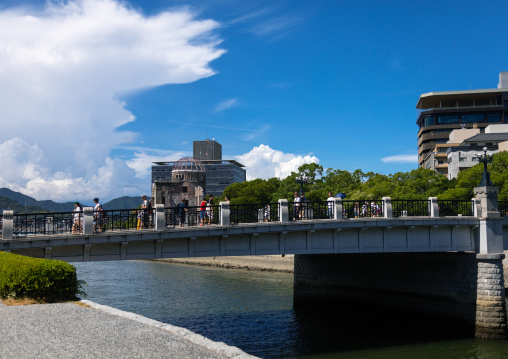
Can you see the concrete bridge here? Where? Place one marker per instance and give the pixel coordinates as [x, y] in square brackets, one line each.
[320, 236]
[447, 266]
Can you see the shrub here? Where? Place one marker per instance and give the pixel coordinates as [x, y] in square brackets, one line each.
[40, 279]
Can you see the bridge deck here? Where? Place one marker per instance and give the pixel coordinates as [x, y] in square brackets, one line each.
[367, 235]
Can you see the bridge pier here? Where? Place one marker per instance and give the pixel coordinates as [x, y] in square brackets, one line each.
[491, 301]
[463, 292]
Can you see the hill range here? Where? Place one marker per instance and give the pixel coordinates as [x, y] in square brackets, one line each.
[21, 203]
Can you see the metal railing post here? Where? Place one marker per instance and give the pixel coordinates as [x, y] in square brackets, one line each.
[434, 207]
[8, 225]
[49, 225]
[387, 207]
[225, 214]
[338, 213]
[283, 211]
[477, 207]
[88, 220]
[160, 217]
[261, 215]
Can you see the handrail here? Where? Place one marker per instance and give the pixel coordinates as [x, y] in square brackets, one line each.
[254, 212]
[455, 208]
[363, 208]
[33, 224]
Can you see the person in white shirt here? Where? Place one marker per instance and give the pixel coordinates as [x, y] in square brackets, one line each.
[77, 217]
[296, 206]
[330, 200]
[97, 216]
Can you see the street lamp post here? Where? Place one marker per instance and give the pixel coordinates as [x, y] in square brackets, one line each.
[485, 160]
[301, 180]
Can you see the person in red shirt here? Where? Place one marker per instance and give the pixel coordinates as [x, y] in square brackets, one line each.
[202, 212]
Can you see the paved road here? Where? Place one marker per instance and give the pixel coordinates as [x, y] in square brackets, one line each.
[63, 331]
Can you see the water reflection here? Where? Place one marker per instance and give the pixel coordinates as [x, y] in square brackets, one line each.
[254, 311]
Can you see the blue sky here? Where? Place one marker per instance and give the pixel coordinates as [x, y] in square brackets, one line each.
[278, 84]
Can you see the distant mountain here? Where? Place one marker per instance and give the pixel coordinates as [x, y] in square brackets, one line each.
[14, 198]
[124, 202]
[10, 204]
[29, 201]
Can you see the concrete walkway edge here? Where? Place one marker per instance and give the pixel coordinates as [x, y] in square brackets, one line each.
[218, 347]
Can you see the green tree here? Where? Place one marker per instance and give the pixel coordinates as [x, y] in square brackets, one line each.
[336, 181]
[255, 191]
[313, 173]
[469, 178]
[422, 183]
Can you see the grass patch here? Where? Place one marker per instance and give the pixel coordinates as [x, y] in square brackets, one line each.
[81, 304]
[11, 302]
[21, 301]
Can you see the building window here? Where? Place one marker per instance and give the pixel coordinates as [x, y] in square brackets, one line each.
[471, 118]
[494, 117]
[447, 119]
[184, 189]
[428, 121]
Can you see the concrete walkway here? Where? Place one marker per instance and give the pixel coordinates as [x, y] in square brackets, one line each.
[70, 331]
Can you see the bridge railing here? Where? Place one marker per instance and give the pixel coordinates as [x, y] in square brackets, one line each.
[124, 219]
[411, 208]
[253, 213]
[310, 210]
[192, 216]
[24, 225]
[362, 208]
[45, 224]
[455, 208]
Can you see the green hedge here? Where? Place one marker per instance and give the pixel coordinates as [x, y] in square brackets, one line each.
[40, 279]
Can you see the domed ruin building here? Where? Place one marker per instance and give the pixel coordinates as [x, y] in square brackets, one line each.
[188, 181]
[220, 173]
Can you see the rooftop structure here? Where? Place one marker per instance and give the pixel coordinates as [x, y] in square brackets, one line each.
[442, 112]
[188, 164]
[219, 173]
[207, 150]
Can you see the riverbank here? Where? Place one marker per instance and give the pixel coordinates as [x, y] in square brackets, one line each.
[68, 330]
[274, 263]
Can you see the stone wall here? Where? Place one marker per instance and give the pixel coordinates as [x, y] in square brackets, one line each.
[275, 263]
[441, 286]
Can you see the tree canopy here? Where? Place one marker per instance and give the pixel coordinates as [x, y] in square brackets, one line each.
[420, 183]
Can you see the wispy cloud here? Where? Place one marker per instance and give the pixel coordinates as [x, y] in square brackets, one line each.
[400, 159]
[270, 22]
[224, 105]
[262, 128]
[277, 27]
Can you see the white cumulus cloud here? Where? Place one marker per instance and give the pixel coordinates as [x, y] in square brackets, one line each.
[400, 159]
[61, 69]
[143, 158]
[265, 162]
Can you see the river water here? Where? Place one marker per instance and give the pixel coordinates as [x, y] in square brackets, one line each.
[254, 311]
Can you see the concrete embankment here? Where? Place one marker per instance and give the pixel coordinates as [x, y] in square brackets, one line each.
[66, 330]
[275, 263]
